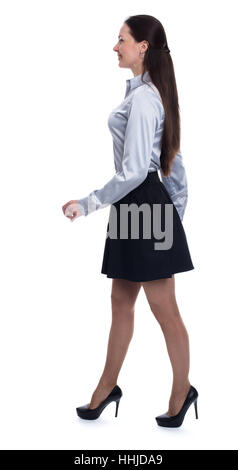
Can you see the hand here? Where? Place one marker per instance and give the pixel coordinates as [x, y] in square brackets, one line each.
[71, 210]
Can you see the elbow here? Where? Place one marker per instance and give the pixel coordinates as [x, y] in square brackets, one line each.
[140, 176]
[132, 180]
[135, 180]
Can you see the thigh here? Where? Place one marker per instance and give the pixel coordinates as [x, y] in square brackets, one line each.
[124, 293]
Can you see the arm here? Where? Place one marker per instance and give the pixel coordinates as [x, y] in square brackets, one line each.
[176, 185]
[138, 144]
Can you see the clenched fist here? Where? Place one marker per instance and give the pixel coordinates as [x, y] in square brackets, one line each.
[71, 210]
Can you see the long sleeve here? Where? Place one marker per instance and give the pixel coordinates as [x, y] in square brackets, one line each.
[138, 144]
[176, 184]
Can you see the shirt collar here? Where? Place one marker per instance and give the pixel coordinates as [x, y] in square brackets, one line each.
[136, 81]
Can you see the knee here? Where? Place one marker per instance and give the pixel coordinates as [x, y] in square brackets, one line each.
[121, 306]
[165, 310]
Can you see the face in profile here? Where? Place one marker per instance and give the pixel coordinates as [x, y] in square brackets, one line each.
[127, 49]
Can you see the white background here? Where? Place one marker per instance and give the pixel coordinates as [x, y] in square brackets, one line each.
[59, 81]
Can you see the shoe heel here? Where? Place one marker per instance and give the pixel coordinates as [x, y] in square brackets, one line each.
[196, 409]
[117, 404]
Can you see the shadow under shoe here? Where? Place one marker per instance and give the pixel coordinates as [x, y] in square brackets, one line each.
[176, 420]
[87, 413]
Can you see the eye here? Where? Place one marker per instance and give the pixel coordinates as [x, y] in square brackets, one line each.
[120, 40]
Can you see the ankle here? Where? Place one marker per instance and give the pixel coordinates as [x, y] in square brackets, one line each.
[108, 384]
[180, 390]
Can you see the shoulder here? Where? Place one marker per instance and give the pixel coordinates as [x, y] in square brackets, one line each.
[146, 98]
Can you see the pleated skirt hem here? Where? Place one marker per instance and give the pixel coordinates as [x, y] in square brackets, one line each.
[151, 277]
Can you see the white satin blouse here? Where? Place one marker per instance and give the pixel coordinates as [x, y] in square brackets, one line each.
[136, 126]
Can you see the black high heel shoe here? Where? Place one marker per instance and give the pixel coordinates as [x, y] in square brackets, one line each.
[176, 420]
[87, 413]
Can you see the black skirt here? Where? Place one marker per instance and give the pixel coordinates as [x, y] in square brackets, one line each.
[145, 238]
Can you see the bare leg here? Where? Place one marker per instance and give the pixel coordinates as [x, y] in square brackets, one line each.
[161, 297]
[123, 298]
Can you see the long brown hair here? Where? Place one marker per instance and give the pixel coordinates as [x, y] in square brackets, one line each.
[160, 67]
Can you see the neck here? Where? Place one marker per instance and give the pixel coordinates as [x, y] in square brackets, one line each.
[137, 70]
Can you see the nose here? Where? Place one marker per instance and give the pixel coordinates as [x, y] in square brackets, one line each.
[115, 48]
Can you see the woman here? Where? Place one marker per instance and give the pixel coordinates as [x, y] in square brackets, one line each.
[146, 135]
